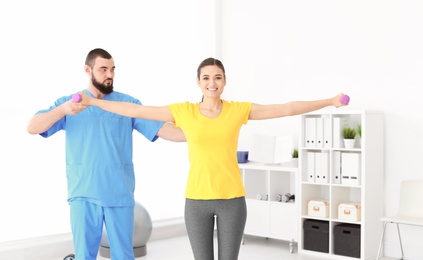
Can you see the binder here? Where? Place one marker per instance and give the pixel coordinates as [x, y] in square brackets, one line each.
[310, 132]
[351, 168]
[336, 177]
[327, 133]
[321, 167]
[311, 166]
[317, 167]
[325, 168]
[319, 132]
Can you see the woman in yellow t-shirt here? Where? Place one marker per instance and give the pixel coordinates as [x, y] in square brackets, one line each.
[211, 127]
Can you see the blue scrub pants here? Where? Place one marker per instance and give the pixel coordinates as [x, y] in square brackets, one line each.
[87, 229]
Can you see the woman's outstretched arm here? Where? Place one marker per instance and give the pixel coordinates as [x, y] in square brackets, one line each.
[129, 109]
[293, 108]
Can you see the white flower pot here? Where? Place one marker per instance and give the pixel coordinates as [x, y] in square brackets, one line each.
[349, 143]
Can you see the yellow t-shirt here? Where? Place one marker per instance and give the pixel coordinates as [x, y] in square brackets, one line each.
[212, 145]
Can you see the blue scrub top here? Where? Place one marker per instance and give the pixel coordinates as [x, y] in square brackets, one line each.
[99, 165]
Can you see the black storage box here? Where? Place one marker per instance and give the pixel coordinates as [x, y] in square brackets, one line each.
[316, 235]
[347, 240]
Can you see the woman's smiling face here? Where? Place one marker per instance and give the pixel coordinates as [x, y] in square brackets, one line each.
[212, 81]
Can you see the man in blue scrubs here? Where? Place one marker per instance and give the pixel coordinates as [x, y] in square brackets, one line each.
[99, 167]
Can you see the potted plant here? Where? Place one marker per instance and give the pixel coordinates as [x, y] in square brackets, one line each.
[294, 161]
[349, 137]
[295, 154]
[359, 132]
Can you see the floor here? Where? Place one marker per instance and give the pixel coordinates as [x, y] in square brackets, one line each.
[254, 248]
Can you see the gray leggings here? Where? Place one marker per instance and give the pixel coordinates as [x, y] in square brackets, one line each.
[231, 215]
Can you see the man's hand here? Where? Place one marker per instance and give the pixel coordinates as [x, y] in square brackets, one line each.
[72, 108]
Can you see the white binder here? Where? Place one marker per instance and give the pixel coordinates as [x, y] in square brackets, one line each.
[351, 168]
[310, 132]
[327, 133]
[311, 166]
[317, 167]
[319, 132]
[336, 177]
[321, 167]
[325, 168]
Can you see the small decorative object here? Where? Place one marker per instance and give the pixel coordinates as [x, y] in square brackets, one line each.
[242, 156]
[349, 137]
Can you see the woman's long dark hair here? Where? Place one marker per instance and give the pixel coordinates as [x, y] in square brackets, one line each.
[209, 62]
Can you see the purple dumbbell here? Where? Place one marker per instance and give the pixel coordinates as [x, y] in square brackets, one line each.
[76, 98]
[345, 99]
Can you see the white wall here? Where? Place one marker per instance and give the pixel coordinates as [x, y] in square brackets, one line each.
[157, 46]
[274, 51]
[277, 51]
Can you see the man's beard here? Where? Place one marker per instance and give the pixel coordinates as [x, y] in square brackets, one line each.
[104, 89]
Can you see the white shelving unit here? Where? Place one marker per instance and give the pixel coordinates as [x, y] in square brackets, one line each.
[269, 217]
[320, 136]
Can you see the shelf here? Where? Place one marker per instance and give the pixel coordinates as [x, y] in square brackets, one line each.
[270, 167]
[354, 177]
[271, 218]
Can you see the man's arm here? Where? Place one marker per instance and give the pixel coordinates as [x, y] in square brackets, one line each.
[171, 133]
[41, 122]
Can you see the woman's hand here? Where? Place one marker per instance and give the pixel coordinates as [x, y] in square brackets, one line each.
[85, 99]
[336, 101]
